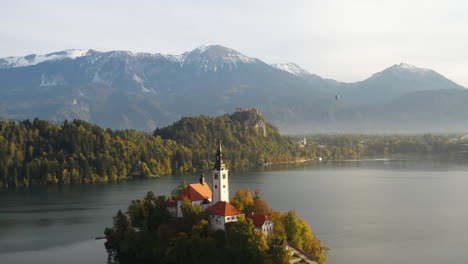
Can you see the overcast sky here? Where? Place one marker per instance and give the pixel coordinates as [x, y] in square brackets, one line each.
[343, 40]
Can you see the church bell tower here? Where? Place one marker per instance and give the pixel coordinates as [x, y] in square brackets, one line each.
[220, 178]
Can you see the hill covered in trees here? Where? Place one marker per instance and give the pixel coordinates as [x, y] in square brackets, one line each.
[42, 152]
[246, 138]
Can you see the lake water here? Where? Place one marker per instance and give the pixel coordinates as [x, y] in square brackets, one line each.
[368, 211]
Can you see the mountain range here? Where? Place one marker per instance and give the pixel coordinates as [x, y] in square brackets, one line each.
[122, 89]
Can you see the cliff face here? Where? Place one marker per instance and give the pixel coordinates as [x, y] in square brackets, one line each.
[251, 119]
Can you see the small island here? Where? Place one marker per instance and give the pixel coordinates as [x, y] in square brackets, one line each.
[199, 224]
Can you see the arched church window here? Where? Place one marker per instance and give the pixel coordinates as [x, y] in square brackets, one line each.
[216, 176]
[216, 186]
[224, 176]
[224, 186]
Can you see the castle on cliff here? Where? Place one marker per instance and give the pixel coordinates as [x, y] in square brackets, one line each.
[215, 200]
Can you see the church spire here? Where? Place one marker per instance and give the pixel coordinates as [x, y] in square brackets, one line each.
[220, 178]
[219, 164]
[220, 150]
[202, 179]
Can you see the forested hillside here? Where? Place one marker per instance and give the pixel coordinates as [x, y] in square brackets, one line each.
[78, 152]
[42, 152]
[245, 143]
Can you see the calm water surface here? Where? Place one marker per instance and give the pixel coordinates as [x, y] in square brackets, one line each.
[370, 211]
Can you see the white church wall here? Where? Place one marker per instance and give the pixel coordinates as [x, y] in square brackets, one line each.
[216, 222]
[220, 185]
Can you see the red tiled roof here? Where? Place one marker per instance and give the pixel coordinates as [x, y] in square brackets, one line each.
[224, 209]
[196, 191]
[172, 202]
[258, 219]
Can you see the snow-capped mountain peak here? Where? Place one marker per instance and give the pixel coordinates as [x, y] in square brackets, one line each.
[405, 71]
[203, 48]
[206, 58]
[409, 67]
[33, 59]
[214, 58]
[216, 52]
[291, 67]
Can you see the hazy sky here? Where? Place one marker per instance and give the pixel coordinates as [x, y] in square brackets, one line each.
[344, 40]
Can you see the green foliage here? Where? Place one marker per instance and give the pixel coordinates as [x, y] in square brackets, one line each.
[149, 212]
[248, 203]
[117, 236]
[41, 152]
[355, 146]
[298, 232]
[243, 200]
[179, 189]
[147, 231]
[243, 144]
[279, 254]
[191, 214]
[248, 245]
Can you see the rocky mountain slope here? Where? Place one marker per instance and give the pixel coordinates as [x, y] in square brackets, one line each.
[397, 80]
[122, 89]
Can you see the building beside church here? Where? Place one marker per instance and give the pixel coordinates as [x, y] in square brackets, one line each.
[197, 193]
[216, 202]
[222, 213]
[262, 222]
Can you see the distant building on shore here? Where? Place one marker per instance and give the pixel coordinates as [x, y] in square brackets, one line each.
[255, 110]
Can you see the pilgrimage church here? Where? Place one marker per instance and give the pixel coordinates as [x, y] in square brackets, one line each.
[215, 200]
